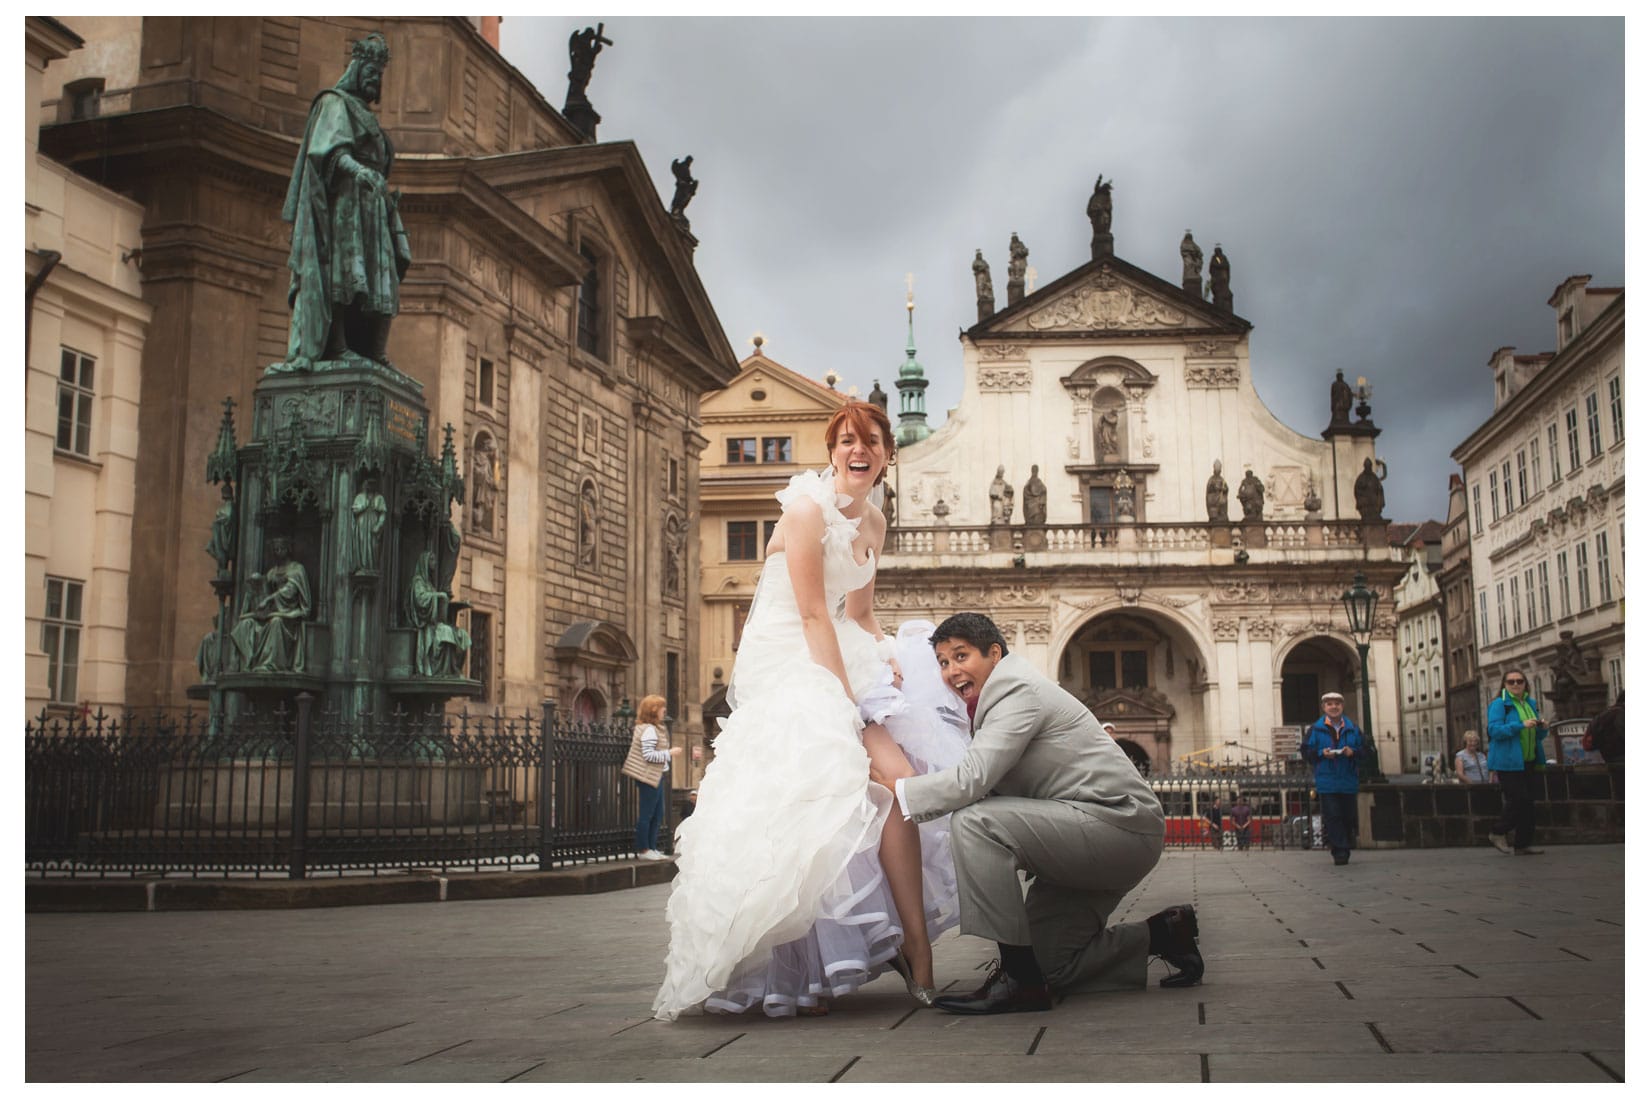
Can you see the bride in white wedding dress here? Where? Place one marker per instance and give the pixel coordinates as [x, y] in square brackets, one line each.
[794, 881]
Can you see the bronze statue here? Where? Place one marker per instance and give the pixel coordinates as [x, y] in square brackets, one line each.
[1191, 265]
[582, 48]
[441, 646]
[1340, 400]
[269, 635]
[221, 544]
[1036, 501]
[1214, 497]
[1368, 494]
[984, 299]
[367, 516]
[1099, 211]
[686, 187]
[1251, 495]
[349, 248]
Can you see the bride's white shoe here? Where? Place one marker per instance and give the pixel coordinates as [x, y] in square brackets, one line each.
[924, 994]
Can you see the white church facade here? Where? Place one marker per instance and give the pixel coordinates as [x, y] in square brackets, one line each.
[1113, 492]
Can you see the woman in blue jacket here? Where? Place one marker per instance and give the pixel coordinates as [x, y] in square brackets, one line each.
[1516, 730]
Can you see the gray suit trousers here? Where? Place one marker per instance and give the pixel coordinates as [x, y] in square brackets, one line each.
[1079, 869]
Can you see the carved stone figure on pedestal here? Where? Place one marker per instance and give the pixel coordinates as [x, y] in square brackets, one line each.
[221, 544]
[1191, 266]
[1570, 672]
[1340, 401]
[1214, 497]
[1002, 498]
[269, 636]
[483, 484]
[1251, 495]
[1123, 487]
[349, 248]
[441, 646]
[367, 515]
[1035, 503]
[588, 521]
[582, 48]
[1105, 436]
[1220, 280]
[1313, 504]
[1099, 211]
[671, 566]
[985, 300]
[1368, 493]
[1017, 254]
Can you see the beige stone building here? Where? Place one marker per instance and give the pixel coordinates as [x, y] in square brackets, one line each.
[86, 326]
[552, 314]
[1546, 477]
[768, 425]
[1420, 646]
[1137, 581]
[1461, 686]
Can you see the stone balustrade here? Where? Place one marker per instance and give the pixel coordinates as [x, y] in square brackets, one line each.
[1273, 539]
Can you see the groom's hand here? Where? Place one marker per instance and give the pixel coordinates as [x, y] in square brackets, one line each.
[881, 780]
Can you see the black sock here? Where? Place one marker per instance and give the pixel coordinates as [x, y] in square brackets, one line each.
[1020, 963]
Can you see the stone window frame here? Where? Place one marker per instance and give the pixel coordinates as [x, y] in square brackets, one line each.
[1595, 432]
[596, 289]
[76, 386]
[728, 540]
[62, 621]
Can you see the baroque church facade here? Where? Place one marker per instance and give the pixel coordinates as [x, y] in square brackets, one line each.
[552, 315]
[1113, 492]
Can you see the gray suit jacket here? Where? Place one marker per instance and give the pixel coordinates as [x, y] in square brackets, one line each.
[1034, 739]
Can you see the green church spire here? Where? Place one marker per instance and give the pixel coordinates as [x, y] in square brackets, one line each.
[913, 415]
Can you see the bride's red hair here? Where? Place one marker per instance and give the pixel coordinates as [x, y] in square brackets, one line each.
[864, 418]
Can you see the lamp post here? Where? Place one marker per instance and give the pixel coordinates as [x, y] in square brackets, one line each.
[1359, 601]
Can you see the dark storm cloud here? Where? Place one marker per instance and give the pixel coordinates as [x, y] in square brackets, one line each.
[1398, 197]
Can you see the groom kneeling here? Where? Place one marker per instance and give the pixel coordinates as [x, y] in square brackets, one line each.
[1043, 789]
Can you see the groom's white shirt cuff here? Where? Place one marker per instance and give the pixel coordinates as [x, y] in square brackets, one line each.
[899, 793]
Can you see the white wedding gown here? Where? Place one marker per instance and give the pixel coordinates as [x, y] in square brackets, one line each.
[779, 898]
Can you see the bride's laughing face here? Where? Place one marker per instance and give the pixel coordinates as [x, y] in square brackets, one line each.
[859, 459]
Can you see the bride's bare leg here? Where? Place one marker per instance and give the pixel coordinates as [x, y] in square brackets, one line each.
[901, 856]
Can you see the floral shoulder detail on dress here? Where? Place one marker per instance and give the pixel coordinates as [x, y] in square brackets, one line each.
[816, 485]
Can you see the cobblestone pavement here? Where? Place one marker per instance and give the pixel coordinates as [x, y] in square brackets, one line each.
[1432, 965]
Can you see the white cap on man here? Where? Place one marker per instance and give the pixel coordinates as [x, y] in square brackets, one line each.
[1111, 730]
[1328, 695]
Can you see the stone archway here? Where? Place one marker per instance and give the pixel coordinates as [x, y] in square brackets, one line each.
[1312, 665]
[1136, 754]
[1144, 674]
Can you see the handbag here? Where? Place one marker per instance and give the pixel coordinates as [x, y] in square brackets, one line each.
[637, 766]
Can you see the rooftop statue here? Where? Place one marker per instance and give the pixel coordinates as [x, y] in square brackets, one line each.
[686, 187]
[1191, 265]
[582, 48]
[1035, 501]
[1368, 494]
[985, 300]
[1215, 498]
[1252, 495]
[349, 248]
[1340, 400]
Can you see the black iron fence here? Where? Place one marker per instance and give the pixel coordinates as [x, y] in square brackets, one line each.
[1274, 805]
[296, 792]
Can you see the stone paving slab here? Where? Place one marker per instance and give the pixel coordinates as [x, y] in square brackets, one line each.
[1499, 970]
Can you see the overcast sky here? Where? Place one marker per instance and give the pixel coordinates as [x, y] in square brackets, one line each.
[1398, 197]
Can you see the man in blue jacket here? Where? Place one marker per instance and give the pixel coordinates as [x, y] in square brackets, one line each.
[1334, 744]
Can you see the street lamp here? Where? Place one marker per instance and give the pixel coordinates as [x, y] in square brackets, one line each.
[1359, 601]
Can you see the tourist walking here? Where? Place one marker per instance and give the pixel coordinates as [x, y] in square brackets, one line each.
[1333, 744]
[647, 763]
[1516, 731]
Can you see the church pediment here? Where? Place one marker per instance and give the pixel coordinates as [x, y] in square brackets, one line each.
[1131, 705]
[1110, 296]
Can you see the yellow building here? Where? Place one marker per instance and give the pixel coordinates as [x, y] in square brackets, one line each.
[768, 424]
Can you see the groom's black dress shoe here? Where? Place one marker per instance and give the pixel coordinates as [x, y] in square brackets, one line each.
[1174, 940]
[1000, 993]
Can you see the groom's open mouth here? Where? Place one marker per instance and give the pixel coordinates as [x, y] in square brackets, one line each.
[963, 687]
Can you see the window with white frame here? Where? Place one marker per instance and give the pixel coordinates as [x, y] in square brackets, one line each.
[1552, 452]
[1407, 637]
[1506, 483]
[1617, 428]
[1546, 594]
[1584, 585]
[1483, 618]
[1409, 685]
[1523, 485]
[1477, 511]
[75, 393]
[1495, 495]
[60, 638]
[1605, 588]
[1572, 435]
[1517, 615]
[1595, 442]
[1501, 610]
[1437, 680]
[1615, 677]
[1535, 464]
[1563, 584]
[1529, 596]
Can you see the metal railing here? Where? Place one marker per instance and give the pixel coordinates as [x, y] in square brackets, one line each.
[296, 792]
[1278, 791]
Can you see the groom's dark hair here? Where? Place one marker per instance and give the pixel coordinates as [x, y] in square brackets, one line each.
[972, 627]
